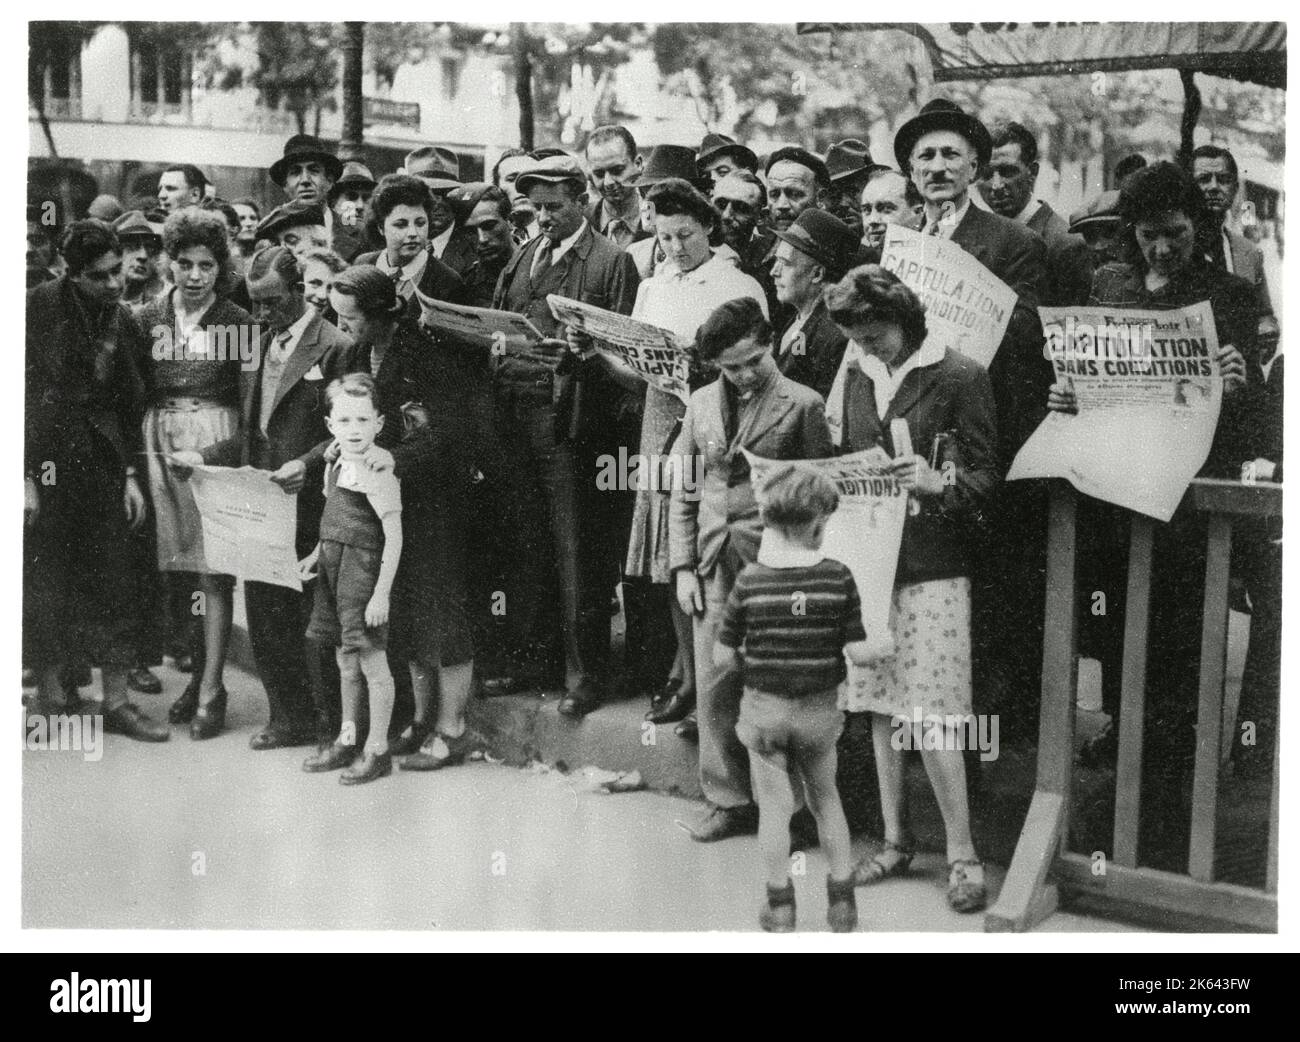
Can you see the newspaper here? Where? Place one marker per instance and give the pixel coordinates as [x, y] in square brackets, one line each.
[503, 332]
[1148, 390]
[656, 355]
[249, 524]
[967, 307]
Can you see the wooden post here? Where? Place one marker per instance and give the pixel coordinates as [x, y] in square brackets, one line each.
[350, 141]
[1132, 718]
[523, 83]
[1191, 114]
[1209, 722]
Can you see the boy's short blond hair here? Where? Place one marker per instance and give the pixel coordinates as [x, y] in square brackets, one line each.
[354, 385]
[793, 495]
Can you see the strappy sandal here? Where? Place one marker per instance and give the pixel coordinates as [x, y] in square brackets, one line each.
[966, 890]
[871, 869]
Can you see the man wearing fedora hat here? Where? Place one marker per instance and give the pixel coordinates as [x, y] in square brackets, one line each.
[812, 254]
[719, 155]
[141, 255]
[306, 172]
[614, 167]
[558, 419]
[943, 149]
[347, 200]
[449, 241]
[849, 164]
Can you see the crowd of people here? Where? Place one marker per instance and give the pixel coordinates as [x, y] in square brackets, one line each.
[452, 533]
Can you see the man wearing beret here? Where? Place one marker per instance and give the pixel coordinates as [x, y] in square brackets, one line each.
[307, 171]
[813, 253]
[561, 412]
[1008, 188]
[943, 149]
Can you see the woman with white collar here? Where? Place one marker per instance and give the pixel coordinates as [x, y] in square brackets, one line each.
[946, 401]
[687, 285]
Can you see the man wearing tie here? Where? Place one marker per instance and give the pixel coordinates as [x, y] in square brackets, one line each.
[560, 412]
[283, 431]
[615, 168]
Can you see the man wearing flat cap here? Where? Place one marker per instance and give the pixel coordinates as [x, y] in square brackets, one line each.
[719, 155]
[1101, 227]
[439, 168]
[943, 149]
[559, 415]
[299, 226]
[347, 200]
[814, 252]
[306, 172]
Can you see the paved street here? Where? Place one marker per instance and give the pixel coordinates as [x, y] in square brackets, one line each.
[216, 836]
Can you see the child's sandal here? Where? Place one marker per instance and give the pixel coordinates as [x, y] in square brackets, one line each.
[872, 869]
[777, 915]
[841, 905]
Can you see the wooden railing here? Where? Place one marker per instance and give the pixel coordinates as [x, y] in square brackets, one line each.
[1043, 870]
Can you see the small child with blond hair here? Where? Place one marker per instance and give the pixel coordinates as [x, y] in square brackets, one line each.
[793, 614]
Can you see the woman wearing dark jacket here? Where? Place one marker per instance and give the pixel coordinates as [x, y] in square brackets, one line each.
[1162, 209]
[426, 392]
[947, 402]
[81, 489]
[400, 213]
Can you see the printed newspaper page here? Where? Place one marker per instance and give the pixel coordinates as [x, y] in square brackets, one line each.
[249, 524]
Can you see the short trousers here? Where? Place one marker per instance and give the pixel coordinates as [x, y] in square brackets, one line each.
[800, 727]
[346, 581]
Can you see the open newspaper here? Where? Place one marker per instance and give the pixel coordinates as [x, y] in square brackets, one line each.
[502, 332]
[249, 524]
[656, 355]
[1148, 390]
[967, 307]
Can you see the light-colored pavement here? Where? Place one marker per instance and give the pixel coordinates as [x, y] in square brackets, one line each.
[212, 835]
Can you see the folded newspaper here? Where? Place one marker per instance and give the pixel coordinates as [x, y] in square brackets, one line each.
[502, 332]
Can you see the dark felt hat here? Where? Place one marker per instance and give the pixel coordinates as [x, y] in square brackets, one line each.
[301, 147]
[134, 225]
[849, 160]
[715, 145]
[668, 161]
[355, 175]
[941, 114]
[825, 238]
[1100, 209]
[439, 168]
[290, 215]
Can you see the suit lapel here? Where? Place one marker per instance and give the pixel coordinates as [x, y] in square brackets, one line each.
[767, 412]
[914, 387]
[304, 356]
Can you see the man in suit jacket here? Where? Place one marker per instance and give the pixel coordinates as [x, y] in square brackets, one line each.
[560, 412]
[283, 430]
[943, 148]
[1008, 188]
[1215, 172]
[714, 525]
[813, 253]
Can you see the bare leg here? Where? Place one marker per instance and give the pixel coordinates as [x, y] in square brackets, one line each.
[379, 682]
[889, 774]
[947, 770]
[421, 691]
[218, 613]
[770, 775]
[455, 683]
[824, 802]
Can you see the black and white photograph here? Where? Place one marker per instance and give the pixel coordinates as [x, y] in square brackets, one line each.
[667, 479]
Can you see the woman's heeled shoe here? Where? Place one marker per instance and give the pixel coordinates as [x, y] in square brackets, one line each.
[209, 720]
[183, 709]
[410, 740]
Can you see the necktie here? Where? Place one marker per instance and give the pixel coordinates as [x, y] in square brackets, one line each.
[278, 346]
[542, 259]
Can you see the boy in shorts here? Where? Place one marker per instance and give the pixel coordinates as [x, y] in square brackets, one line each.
[795, 613]
[360, 545]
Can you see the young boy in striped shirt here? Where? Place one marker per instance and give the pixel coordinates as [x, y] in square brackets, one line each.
[795, 613]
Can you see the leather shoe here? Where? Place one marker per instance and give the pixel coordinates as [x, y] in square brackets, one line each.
[184, 663]
[676, 708]
[581, 700]
[410, 740]
[209, 720]
[183, 709]
[281, 738]
[127, 719]
[330, 758]
[725, 822]
[430, 758]
[688, 730]
[144, 681]
[367, 767]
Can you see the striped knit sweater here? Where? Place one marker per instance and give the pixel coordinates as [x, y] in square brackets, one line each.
[793, 623]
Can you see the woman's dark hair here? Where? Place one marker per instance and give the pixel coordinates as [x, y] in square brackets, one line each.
[872, 294]
[86, 241]
[731, 323]
[675, 197]
[1157, 189]
[396, 190]
[375, 293]
[192, 227]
